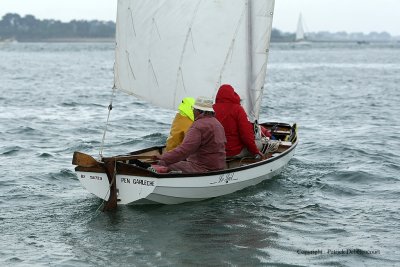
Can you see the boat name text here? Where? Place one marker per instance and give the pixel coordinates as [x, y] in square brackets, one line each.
[137, 181]
[225, 178]
[93, 177]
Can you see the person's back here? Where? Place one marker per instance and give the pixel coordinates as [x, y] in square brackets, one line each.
[181, 124]
[203, 148]
[238, 130]
[211, 152]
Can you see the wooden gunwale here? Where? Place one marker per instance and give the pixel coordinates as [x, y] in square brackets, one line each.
[129, 169]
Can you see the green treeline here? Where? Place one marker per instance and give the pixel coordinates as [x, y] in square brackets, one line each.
[28, 28]
[278, 36]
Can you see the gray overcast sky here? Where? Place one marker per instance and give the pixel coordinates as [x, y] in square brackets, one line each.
[319, 15]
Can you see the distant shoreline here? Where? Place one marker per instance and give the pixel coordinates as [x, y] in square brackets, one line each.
[68, 40]
[112, 40]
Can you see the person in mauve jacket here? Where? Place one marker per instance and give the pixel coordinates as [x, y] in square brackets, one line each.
[203, 148]
[238, 130]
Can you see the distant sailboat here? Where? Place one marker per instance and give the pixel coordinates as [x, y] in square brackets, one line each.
[300, 37]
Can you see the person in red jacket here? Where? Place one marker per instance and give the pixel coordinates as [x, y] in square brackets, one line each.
[238, 130]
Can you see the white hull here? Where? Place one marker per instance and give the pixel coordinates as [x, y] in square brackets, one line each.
[174, 190]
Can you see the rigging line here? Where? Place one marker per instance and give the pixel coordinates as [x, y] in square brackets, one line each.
[108, 119]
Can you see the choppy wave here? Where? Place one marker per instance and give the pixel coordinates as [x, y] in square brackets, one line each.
[339, 191]
[10, 151]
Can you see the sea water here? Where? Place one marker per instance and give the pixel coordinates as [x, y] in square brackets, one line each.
[336, 203]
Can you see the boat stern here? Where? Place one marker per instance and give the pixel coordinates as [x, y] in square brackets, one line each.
[95, 183]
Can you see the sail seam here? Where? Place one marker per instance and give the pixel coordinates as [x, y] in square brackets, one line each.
[155, 25]
[154, 73]
[129, 63]
[133, 24]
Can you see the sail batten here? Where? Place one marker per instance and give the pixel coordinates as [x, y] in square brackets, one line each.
[170, 49]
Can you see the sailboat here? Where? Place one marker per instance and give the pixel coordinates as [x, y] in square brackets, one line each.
[167, 50]
[300, 37]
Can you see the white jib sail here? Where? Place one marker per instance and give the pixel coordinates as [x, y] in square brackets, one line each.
[170, 49]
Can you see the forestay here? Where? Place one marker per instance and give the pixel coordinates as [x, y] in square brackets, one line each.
[169, 49]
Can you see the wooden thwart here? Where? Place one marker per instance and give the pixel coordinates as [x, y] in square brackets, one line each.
[127, 157]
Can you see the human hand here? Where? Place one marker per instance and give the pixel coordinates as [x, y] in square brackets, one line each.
[156, 157]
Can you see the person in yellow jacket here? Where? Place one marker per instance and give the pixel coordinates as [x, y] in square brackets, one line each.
[181, 123]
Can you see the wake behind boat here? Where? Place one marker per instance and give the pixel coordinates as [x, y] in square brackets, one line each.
[168, 50]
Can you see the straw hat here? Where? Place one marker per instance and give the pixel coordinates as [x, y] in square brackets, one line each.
[204, 103]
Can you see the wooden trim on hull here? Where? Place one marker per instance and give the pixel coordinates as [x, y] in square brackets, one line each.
[129, 169]
[151, 190]
[141, 185]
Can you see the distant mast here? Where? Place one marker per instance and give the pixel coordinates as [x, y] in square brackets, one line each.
[300, 30]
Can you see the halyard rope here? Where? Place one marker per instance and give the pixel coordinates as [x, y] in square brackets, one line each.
[108, 119]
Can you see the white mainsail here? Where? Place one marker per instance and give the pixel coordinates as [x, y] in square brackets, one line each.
[170, 49]
[300, 29]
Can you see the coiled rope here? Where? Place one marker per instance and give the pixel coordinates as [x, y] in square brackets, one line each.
[271, 146]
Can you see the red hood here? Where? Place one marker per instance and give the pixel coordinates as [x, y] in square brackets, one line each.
[226, 94]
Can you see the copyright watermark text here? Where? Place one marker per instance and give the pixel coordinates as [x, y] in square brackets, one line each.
[347, 251]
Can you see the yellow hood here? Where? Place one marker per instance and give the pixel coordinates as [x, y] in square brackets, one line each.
[186, 107]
